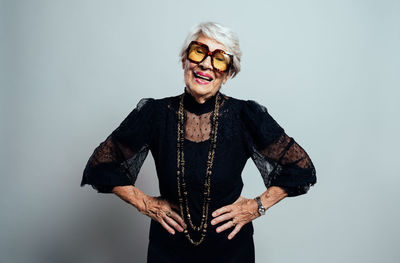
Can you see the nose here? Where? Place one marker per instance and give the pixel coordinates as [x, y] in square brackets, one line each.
[206, 63]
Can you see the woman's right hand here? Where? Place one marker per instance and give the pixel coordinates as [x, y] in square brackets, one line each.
[154, 207]
[157, 208]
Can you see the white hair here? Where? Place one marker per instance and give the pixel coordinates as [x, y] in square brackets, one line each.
[220, 33]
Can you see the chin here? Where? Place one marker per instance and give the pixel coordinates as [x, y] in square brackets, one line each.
[200, 89]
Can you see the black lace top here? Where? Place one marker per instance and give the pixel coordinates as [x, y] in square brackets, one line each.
[245, 130]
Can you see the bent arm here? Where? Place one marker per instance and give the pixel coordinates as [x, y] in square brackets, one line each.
[118, 159]
[154, 207]
[293, 169]
[132, 195]
[271, 196]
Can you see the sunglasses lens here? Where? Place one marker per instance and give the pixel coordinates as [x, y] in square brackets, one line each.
[221, 61]
[196, 53]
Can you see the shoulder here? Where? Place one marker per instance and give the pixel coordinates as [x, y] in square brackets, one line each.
[158, 106]
[241, 105]
[246, 106]
[168, 102]
[145, 102]
[153, 103]
[254, 113]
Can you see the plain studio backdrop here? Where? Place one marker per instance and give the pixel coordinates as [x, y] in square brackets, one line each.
[71, 71]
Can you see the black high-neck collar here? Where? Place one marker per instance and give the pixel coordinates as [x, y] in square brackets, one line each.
[190, 103]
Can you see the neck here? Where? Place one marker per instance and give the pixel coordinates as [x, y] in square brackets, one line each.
[199, 104]
[201, 99]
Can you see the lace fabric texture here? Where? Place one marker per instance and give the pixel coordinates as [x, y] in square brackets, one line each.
[197, 127]
[279, 158]
[117, 160]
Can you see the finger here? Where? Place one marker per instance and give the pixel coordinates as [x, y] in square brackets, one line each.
[235, 231]
[178, 219]
[221, 218]
[222, 210]
[166, 226]
[225, 226]
[173, 223]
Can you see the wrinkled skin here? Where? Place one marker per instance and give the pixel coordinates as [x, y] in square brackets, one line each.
[241, 212]
[157, 208]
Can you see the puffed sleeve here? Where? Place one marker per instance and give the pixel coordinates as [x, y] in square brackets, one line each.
[281, 161]
[118, 159]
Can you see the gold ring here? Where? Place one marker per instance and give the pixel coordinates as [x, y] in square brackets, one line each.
[168, 213]
[233, 223]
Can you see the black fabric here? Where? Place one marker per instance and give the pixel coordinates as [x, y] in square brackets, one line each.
[238, 250]
[245, 130]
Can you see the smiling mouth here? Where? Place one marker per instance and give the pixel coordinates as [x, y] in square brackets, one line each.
[198, 76]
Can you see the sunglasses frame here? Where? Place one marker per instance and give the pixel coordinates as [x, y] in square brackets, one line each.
[209, 53]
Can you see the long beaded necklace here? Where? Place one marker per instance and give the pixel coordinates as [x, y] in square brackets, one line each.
[181, 172]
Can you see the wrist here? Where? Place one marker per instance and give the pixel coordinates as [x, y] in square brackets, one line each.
[260, 207]
[141, 203]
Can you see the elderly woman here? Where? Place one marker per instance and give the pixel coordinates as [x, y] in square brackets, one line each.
[201, 140]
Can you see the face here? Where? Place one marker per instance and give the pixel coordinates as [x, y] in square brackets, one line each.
[201, 80]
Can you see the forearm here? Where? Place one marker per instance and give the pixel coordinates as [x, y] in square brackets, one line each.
[132, 195]
[156, 208]
[272, 196]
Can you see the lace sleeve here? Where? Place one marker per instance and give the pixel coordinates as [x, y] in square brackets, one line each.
[279, 158]
[118, 159]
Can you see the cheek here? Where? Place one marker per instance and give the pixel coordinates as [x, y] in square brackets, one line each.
[220, 78]
[186, 71]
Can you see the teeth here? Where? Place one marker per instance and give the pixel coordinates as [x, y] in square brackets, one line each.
[202, 77]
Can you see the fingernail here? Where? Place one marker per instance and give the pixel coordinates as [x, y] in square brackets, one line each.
[212, 222]
[213, 214]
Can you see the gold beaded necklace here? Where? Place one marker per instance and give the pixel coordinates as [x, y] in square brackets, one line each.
[181, 173]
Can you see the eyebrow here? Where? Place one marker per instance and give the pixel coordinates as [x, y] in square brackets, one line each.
[228, 53]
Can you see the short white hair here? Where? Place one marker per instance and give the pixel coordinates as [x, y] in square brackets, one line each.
[220, 33]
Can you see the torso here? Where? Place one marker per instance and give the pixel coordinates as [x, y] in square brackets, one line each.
[230, 158]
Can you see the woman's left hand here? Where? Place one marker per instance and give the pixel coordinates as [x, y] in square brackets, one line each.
[241, 212]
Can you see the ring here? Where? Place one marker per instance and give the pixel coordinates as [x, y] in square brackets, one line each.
[168, 213]
[233, 222]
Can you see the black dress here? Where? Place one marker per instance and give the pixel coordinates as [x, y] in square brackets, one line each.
[245, 130]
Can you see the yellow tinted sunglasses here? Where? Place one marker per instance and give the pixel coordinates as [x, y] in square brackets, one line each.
[197, 52]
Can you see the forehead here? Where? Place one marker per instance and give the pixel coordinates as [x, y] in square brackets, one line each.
[211, 43]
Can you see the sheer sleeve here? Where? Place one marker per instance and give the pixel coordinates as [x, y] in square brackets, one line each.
[118, 159]
[279, 158]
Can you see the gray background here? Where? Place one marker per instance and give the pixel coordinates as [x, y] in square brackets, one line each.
[72, 70]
